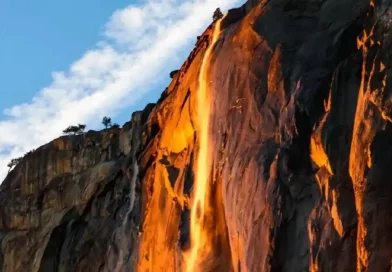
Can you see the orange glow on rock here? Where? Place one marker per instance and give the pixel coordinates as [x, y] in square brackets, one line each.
[199, 235]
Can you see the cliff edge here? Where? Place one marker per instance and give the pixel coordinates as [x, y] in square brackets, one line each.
[301, 145]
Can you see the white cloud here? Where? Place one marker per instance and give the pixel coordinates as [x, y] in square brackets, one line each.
[138, 44]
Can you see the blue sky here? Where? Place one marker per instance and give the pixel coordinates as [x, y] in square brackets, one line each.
[38, 37]
[68, 62]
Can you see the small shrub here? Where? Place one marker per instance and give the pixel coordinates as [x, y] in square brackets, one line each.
[217, 15]
[81, 127]
[115, 125]
[14, 162]
[173, 73]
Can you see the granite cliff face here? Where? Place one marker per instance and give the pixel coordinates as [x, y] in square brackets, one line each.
[300, 142]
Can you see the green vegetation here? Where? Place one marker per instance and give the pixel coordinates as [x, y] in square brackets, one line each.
[115, 125]
[14, 162]
[75, 130]
[107, 122]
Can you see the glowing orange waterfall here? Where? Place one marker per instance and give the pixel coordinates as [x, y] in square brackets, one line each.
[199, 236]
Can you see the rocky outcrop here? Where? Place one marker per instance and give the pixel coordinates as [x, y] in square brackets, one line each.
[300, 133]
[173, 73]
[65, 203]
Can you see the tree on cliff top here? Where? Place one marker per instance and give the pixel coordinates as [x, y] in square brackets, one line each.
[13, 163]
[217, 15]
[107, 121]
[79, 129]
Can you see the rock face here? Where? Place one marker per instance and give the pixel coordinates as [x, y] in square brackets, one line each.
[301, 141]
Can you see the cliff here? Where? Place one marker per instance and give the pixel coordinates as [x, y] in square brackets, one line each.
[299, 139]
